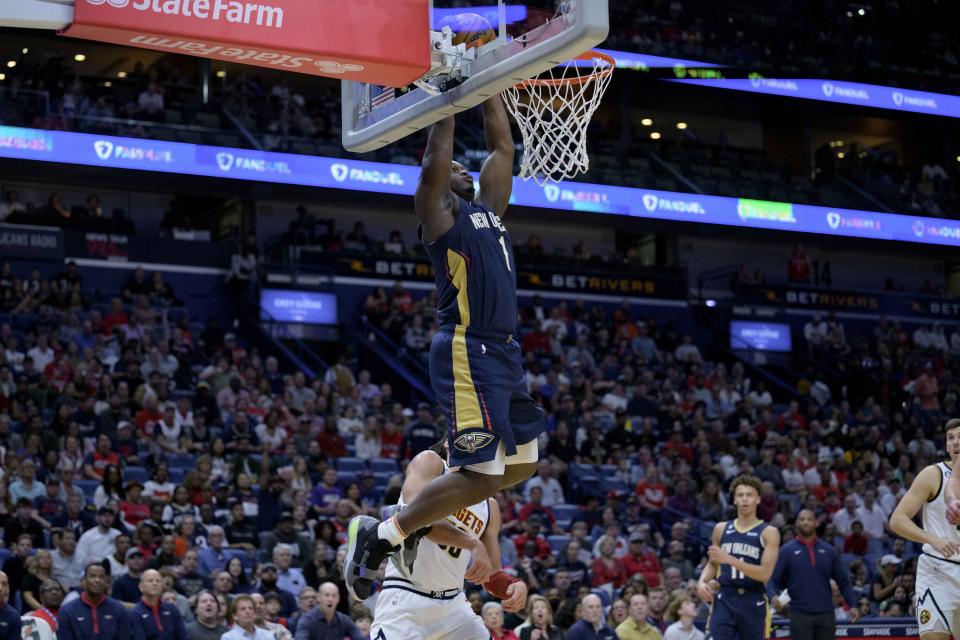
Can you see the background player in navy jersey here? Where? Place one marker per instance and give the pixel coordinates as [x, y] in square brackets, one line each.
[741, 559]
[475, 365]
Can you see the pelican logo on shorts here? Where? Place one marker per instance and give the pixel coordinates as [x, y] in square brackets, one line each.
[103, 148]
[924, 616]
[470, 442]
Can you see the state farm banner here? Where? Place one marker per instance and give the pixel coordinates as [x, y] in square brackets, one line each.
[360, 40]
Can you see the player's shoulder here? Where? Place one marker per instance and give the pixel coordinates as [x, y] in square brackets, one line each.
[770, 534]
[930, 474]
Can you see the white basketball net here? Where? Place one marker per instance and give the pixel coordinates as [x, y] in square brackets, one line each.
[553, 112]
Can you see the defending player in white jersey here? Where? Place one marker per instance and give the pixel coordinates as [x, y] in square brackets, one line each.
[938, 569]
[428, 603]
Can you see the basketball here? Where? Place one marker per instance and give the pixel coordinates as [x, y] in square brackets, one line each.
[470, 29]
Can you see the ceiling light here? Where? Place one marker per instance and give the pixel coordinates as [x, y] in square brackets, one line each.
[121, 74]
[12, 63]
[646, 122]
[655, 135]
[25, 51]
[79, 57]
[862, 12]
[3, 76]
[681, 125]
[840, 154]
[108, 84]
[221, 74]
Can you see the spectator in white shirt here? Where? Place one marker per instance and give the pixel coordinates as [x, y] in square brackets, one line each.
[42, 354]
[616, 399]
[871, 515]
[923, 337]
[97, 543]
[890, 496]
[687, 351]
[552, 491]
[67, 564]
[10, 205]
[815, 331]
[938, 339]
[683, 628]
[844, 519]
[367, 443]
[150, 103]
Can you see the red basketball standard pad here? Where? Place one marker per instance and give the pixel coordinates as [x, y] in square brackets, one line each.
[384, 42]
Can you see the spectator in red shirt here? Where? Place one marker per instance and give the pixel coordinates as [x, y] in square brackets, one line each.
[146, 418]
[104, 456]
[677, 444]
[391, 440]
[856, 543]
[798, 265]
[535, 506]
[792, 418]
[331, 442]
[531, 531]
[114, 318]
[401, 300]
[642, 559]
[607, 569]
[651, 492]
[537, 341]
[134, 508]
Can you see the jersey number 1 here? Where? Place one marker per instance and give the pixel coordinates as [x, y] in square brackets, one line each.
[737, 575]
[506, 255]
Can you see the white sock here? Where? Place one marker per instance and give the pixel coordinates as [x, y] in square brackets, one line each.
[390, 531]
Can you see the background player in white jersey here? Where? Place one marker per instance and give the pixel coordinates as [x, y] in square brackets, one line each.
[938, 569]
[428, 603]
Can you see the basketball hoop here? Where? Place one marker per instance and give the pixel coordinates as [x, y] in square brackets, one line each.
[553, 112]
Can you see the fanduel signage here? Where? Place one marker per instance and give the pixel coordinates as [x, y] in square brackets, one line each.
[316, 38]
[337, 173]
[869, 95]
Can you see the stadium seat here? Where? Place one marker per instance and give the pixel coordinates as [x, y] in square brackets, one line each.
[177, 474]
[345, 478]
[604, 596]
[88, 487]
[135, 473]
[351, 464]
[875, 546]
[565, 511]
[182, 461]
[4, 556]
[381, 479]
[557, 542]
[384, 465]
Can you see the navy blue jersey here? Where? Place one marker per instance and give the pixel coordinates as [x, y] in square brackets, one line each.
[746, 546]
[476, 280]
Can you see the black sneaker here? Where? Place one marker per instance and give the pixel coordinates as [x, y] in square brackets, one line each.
[406, 553]
[365, 552]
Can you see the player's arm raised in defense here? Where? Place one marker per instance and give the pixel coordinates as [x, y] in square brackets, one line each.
[710, 569]
[496, 175]
[512, 592]
[433, 200]
[925, 487]
[424, 467]
[768, 560]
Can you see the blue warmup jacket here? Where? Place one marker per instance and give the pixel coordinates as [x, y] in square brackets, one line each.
[162, 623]
[9, 623]
[80, 620]
[805, 571]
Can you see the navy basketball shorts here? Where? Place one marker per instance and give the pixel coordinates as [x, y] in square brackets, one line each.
[739, 616]
[479, 382]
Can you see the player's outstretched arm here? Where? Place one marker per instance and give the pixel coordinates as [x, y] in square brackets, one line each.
[925, 487]
[496, 175]
[511, 591]
[432, 199]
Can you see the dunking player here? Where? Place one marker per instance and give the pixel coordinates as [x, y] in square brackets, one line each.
[428, 603]
[475, 366]
[742, 559]
[938, 569]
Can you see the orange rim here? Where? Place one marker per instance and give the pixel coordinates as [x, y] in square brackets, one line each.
[578, 79]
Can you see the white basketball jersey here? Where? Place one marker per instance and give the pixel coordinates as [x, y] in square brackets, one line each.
[441, 568]
[935, 514]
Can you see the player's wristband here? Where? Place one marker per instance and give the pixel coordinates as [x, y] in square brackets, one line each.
[497, 584]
